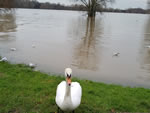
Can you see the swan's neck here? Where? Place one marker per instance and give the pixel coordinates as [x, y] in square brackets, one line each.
[68, 90]
[67, 97]
[67, 102]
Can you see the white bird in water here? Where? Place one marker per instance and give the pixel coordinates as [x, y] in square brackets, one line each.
[13, 49]
[33, 46]
[4, 59]
[116, 54]
[32, 65]
[68, 94]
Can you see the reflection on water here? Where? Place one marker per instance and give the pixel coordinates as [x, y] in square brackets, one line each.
[7, 25]
[85, 56]
[145, 51]
[7, 22]
[84, 44]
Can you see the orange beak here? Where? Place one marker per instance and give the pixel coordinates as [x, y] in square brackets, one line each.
[69, 81]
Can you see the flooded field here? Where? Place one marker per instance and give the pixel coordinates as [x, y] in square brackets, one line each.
[55, 40]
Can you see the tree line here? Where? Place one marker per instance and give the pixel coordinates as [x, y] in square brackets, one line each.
[8, 4]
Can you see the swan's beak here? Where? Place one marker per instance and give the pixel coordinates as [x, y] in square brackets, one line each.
[69, 80]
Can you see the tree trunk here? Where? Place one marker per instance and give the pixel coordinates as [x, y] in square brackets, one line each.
[91, 13]
[92, 8]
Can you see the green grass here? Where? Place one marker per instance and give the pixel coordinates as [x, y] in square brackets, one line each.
[25, 91]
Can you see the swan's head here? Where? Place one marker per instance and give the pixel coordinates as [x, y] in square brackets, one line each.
[68, 74]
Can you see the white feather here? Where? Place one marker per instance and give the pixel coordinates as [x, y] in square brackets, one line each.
[33, 46]
[13, 49]
[32, 65]
[147, 46]
[4, 59]
[60, 93]
[116, 54]
[76, 93]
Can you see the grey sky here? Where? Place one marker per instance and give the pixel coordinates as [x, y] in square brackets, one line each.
[122, 4]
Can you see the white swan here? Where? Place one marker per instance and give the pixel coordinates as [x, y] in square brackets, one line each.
[68, 94]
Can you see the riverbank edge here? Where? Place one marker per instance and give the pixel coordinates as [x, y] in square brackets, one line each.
[24, 90]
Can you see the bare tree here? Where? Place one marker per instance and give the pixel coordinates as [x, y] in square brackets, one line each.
[94, 5]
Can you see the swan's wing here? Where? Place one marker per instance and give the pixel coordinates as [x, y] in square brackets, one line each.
[60, 93]
[76, 93]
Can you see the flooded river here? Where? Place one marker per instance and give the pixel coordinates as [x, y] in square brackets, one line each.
[69, 39]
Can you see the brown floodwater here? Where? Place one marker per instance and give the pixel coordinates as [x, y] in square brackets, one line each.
[70, 39]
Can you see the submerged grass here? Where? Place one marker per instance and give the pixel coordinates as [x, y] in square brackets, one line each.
[25, 91]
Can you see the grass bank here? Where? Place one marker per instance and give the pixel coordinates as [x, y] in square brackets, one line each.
[25, 91]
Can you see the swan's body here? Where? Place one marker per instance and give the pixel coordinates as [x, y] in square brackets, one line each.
[68, 96]
[70, 100]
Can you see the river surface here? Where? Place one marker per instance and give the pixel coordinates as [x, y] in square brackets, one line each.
[70, 39]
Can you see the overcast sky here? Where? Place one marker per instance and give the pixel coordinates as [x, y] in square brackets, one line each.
[122, 4]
